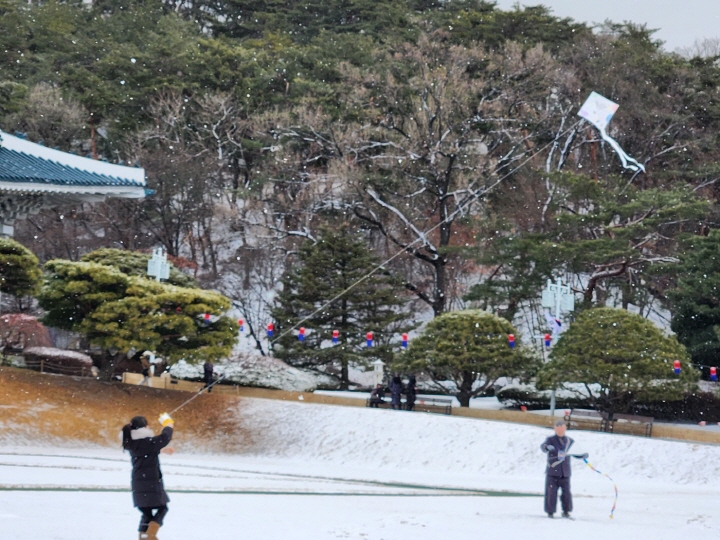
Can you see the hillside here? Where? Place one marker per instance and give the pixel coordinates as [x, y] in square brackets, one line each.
[55, 411]
[50, 410]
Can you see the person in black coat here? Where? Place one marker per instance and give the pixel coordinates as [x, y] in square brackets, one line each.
[147, 485]
[558, 471]
[411, 393]
[396, 388]
[209, 369]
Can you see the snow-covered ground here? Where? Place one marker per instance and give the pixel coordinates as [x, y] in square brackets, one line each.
[320, 472]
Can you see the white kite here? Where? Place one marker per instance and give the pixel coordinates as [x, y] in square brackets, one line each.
[599, 110]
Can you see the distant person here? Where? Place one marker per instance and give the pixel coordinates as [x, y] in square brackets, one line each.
[558, 471]
[377, 395]
[146, 368]
[410, 393]
[147, 486]
[396, 388]
[209, 370]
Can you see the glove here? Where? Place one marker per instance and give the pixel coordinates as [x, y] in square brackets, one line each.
[584, 456]
[550, 447]
[165, 420]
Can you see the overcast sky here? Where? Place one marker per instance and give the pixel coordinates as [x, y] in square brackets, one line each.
[680, 22]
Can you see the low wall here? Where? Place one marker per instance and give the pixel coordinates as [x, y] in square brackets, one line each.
[660, 431]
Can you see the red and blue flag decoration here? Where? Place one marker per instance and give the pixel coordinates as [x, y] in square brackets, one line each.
[336, 336]
[369, 339]
[301, 334]
[677, 367]
[713, 374]
[404, 341]
[270, 330]
[511, 340]
[548, 340]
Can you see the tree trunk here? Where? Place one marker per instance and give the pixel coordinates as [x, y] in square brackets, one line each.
[465, 390]
[344, 375]
[439, 296]
[344, 371]
[108, 361]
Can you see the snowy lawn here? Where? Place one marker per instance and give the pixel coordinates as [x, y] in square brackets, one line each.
[321, 472]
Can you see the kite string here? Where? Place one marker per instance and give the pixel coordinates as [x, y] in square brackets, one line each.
[423, 236]
[176, 409]
[614, 506]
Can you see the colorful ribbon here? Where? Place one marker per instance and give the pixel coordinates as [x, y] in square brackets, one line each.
[612, 512]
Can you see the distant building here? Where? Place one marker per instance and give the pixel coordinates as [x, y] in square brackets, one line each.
[33, 177]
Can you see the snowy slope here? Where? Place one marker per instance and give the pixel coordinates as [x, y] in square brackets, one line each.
[485, 454]
[313, 472]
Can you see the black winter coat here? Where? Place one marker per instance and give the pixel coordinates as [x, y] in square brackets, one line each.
[147, 485]
[558, 463]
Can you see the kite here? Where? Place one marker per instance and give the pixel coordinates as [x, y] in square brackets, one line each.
[599, 110]
[554, 323]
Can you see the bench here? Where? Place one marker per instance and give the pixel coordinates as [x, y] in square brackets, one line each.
[586, 419]
[384, 404]
[434, 405]
[631, 424]
[431, 405]
[628, 424]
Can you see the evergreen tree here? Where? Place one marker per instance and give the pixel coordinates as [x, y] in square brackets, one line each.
[619, 358]
[123, 313]
[469, 348]
[336, 262]
[134, 263]
[19, 269]
[696, 299]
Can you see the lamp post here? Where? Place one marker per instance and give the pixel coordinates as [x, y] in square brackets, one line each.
[559, 298]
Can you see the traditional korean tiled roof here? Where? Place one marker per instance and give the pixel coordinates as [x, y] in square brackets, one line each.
[29, 167]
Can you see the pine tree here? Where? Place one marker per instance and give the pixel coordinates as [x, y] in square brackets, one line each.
[134, 263]
[619, 358]
[469, 348]
[123, 313]
[696, 299]
[19, 269]
[338, 261]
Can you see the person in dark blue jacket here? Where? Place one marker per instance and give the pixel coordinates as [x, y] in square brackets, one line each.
[558, 471]
[147, 485]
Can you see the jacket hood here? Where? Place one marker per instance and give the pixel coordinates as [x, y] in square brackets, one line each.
[141, 433]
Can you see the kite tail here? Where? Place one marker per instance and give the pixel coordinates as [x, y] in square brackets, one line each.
[627, 161]
[612, 512]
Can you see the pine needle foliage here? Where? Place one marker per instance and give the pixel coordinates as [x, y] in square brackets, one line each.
[19, 269]
[334, 263]
[122, 313]
[469, 348]
[134, 263]
[619, 358]
[696, 299]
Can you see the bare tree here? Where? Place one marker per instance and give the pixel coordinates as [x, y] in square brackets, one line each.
[441, 129]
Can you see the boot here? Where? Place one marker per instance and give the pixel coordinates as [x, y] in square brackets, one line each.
[152, 530]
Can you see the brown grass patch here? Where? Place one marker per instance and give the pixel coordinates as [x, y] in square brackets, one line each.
[37, 408]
